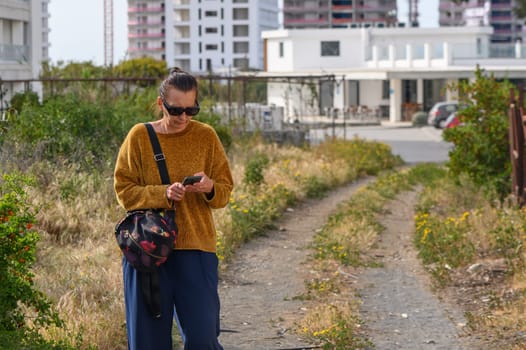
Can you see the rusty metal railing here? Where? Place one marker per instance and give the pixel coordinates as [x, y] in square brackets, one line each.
[516, 134]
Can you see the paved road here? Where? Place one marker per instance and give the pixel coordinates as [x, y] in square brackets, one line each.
[413, 144]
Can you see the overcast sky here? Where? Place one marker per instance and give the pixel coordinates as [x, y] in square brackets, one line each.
[77, 28]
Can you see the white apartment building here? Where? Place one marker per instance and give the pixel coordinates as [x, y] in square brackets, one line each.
[385, 69]
[499, 14]
[201, 36]
[24, 44]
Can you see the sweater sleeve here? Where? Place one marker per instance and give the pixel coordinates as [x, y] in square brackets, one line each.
[134, 183]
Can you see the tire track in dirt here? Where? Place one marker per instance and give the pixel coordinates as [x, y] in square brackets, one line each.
[258, 286]
[398, 306]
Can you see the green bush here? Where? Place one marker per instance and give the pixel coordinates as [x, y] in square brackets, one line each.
[17, 256]
[481, 145]
[74, 129]
[419, 118]
[22, 98]
[254, 169]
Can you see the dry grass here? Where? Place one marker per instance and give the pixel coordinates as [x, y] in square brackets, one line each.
[78, 263]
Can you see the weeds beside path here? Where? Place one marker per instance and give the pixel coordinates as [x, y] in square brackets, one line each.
[258, 288]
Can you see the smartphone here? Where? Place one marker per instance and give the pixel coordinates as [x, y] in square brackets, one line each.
[190, 180]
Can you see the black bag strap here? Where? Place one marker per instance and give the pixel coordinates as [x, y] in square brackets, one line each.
[158, 155]
[149, 281]
[151, 292]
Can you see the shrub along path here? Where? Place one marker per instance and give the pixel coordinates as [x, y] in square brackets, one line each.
[257, 289]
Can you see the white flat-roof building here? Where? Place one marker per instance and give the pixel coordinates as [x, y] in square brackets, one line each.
[24, 44]
[392, 70]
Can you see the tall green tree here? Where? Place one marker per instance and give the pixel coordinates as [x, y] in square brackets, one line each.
[144, 67]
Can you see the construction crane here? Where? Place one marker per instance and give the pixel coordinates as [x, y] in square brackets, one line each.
[108, 32]
[413, 13]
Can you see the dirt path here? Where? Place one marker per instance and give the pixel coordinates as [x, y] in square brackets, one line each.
[399, 309]
[258, 287]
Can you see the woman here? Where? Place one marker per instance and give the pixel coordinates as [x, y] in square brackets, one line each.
[189, 278]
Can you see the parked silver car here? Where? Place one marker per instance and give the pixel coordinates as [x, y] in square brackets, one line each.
[440, 111]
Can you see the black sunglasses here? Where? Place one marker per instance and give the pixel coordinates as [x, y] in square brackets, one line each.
[177, 111]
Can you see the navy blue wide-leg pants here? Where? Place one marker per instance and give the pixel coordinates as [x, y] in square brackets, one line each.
[188, 281]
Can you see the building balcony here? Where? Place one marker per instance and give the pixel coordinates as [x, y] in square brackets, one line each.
[303, 9]
[19, 53]
[181, 55]
[501, 18]
[24, 4]
[445, 54]
[181, 22]
[372, 20]
[145, 49]
[149, 23]
[145, 35]
[365, 8]
[182, 3]
[343, 8]
[501, 7]
[450, 6]
[342, 20]
[387, 8]
[149, 9]
[306, 21]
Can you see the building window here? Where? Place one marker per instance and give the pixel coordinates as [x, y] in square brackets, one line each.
[210, 13]
[241, 47]
[211, 47]
[211, 30]
[240, 30]
[281, 49]
[240, 14]
[330, 48]
[241, 63]
[385, 89]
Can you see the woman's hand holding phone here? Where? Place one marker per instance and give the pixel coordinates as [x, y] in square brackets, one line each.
[190, 180]
[199, 182]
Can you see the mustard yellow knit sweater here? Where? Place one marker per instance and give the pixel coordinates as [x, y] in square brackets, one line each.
[138, 184]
